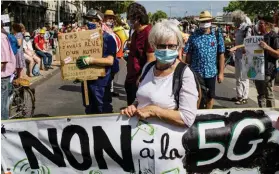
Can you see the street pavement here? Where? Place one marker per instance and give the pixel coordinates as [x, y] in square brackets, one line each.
[55, 97]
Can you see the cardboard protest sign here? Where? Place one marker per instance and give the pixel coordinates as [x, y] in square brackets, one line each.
[83, 43]
[223, 141]
[253, 59]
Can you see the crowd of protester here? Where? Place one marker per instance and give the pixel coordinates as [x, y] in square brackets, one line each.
[169, 53]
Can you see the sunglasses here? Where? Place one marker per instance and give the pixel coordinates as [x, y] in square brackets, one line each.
[169, 46]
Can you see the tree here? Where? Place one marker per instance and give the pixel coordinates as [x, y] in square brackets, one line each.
[158, 15]
[149, 16]
[118, 7]
[253, 8]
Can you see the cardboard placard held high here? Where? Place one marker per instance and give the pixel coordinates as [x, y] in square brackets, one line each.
[83, 43]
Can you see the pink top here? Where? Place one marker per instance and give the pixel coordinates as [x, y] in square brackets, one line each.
[7, 55]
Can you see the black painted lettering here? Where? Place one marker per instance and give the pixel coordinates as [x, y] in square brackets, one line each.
[29, 141]
[164, 148]
[67, 135]
[146, 154]
[102, 143]
[174, 154]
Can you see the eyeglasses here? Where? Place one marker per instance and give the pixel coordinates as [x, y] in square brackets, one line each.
[164, 46]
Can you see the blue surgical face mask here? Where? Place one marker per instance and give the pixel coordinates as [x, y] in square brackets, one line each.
[27, 39]
[91, 26]
[166, 56]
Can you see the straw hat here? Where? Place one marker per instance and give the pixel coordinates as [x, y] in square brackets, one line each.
[205, 16]
[109, 13]
[26, 34]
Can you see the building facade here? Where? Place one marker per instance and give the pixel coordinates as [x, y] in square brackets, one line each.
[34, 14]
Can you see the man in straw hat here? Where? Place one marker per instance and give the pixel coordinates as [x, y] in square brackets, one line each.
[109, 18]
[202, 49]
[99, 90]
[271, 55]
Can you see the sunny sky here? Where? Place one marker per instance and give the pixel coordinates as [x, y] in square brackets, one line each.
[179, 8]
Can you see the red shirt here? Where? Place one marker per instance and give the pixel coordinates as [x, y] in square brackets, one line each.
[40, 41]
[137, 55]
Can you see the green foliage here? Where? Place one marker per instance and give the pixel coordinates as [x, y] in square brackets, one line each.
[253, 8]
[149, 16]
[158, 15]
[118, 7]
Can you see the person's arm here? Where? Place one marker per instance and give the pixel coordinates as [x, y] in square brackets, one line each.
[221, 49]
[188, 98]
[107, 61]
[273, 52]
[19, 40]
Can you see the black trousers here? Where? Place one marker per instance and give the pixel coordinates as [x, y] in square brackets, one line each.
[131, 91]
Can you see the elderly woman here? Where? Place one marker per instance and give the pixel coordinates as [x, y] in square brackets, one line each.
[154, 96]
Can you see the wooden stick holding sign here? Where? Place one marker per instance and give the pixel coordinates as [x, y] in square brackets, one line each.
[86, 95]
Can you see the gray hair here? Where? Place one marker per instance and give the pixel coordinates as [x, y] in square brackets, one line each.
[238, 14]
[162, 31]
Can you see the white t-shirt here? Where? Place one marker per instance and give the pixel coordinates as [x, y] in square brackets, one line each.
[158, 91]
[27, 45]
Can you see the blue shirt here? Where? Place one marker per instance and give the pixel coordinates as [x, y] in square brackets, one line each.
[203, 50]
[109, 49]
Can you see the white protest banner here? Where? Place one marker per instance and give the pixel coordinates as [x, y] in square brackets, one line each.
[253, 59]
[219, 142]
[5, 18]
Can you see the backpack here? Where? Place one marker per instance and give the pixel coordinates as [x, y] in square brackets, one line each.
[36, 70]
[177, 83]
[13, 42]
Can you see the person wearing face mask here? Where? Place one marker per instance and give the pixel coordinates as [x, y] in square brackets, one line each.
[271, 55]
[30, 54]
[109, 18]
[41, 51]
[99, 90]
[140, 51]
[109, 21]
[202, 50]
[243, 30]
[155, 93]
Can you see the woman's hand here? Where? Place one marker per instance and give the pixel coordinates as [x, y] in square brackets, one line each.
[147, 111]
[129, 111]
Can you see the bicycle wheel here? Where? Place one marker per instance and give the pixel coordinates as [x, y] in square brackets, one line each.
[22, 103]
